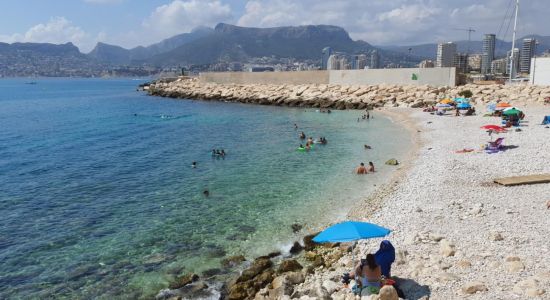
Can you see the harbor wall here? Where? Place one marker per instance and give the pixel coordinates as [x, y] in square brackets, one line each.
[408, 76]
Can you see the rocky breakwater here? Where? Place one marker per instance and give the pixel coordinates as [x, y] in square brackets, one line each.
[342, 96]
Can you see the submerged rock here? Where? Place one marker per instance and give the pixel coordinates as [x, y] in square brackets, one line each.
[392, 162]
[233, 261]
[184, 280]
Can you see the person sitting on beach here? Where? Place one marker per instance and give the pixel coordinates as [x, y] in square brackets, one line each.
[361, 169]
[385, 256]
[369, 276]
[457, 113]
[302, 135]
[371, 167]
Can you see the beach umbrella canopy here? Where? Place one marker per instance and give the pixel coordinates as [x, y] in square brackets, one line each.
[350, 231]
[441, 105]
[511, 111]
[463, 105]
[495, 128]
[446, 101]
[462, 100]
[503, 105]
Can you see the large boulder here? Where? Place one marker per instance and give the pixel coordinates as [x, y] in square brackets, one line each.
[258, 266]
[289, 265]
[388, 292]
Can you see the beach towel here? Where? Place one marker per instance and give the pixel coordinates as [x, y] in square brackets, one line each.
[384, 257]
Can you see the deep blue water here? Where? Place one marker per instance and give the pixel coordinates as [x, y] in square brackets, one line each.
[98, 198]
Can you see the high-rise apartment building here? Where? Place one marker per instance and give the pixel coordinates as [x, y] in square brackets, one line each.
[445, 55]
[333, 62]
[361, 61]
[374, 60]
[487, 53]
[327, 52]
[527, 52]
[461, 62]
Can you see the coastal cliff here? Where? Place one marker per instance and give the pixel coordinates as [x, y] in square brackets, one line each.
[342, 96]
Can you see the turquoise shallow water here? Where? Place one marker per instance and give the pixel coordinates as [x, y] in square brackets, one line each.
[98, 198]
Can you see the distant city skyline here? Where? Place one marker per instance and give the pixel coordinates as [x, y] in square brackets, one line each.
[130, 23]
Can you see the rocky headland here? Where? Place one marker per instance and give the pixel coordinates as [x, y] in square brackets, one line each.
[342, 96]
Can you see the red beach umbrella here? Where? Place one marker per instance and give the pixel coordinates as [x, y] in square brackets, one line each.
[494, 128]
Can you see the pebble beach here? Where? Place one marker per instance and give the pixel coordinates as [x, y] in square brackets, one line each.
[457, 234]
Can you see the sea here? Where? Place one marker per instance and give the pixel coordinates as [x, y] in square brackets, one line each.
[99, 199]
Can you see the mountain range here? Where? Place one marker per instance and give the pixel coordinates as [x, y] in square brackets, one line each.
[230, 43]
[206, 46]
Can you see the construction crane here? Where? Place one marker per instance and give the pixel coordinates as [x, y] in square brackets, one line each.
[470, 30]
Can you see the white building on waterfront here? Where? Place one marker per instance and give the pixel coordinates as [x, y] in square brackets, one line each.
[540, 67]
[446, 55]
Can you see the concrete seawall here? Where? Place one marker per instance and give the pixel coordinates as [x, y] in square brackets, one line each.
[343, 96]
[409, 76]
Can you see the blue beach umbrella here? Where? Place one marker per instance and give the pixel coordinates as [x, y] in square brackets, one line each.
[350, 231]
[463, 105]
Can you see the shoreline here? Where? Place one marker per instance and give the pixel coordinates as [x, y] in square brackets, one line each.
[435, 201]
[457, 234]
[402, 116]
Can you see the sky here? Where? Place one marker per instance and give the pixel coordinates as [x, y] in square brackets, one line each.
[130, 23]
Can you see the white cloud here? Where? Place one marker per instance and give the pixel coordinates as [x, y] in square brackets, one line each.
[57, 30]
[181, 16]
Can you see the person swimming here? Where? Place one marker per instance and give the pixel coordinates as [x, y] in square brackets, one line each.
[194, 164]
[206, 193]
[213, 152]
[361, 169]
[371, 167]
[367, 147]
[302, 136]
[222, 152]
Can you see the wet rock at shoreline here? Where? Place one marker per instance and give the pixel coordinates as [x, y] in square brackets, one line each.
[232, 261]
[258, 266]
[289, 265]
[309, 244]
[296, 248]
[184, 280]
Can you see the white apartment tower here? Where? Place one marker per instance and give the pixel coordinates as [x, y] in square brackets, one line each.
[446, 55]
